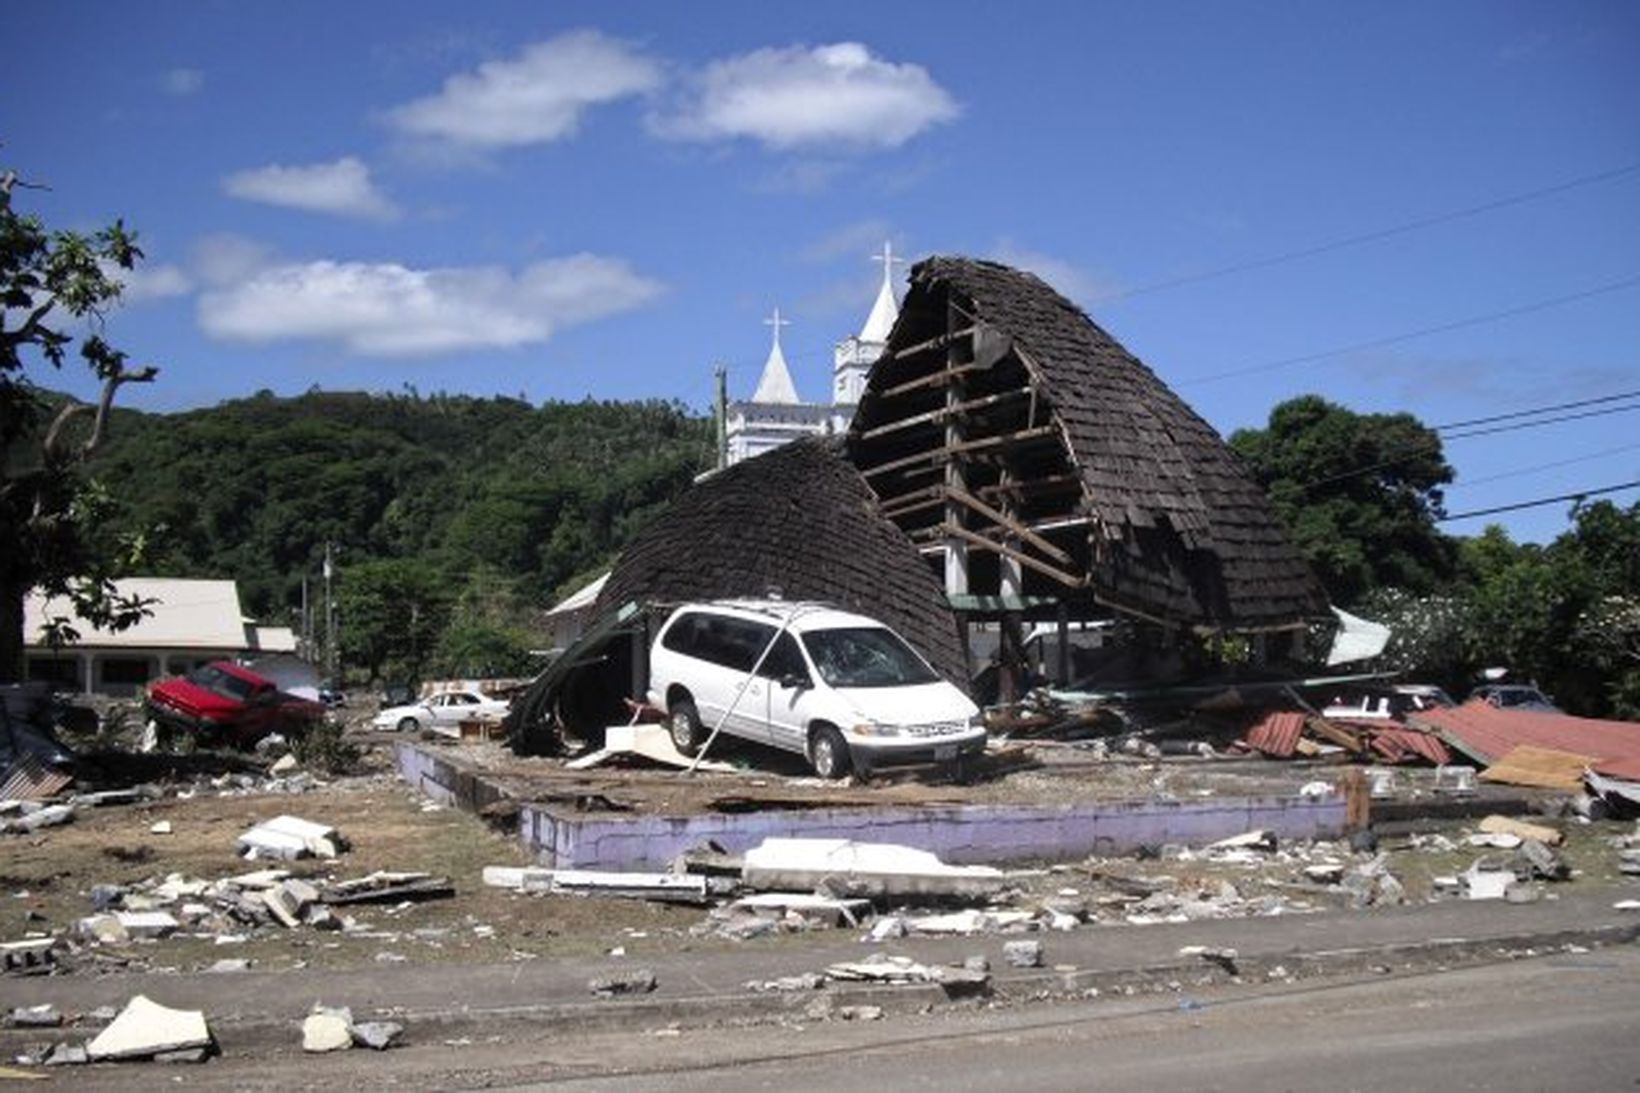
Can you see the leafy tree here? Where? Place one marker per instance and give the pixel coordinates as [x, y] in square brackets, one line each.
[391, 614]
[1566, 616]
[1360, 494]
[49, 511]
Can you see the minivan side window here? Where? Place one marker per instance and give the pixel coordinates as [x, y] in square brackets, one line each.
[729, 642]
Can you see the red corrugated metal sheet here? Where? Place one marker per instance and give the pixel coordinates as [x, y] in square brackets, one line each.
[1277, 735]
[1488, 733]
[32, 779]
[1411, 742]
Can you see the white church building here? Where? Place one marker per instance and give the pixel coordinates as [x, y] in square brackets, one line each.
[775, 415]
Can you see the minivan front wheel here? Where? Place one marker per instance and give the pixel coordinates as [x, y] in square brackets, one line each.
[828, 752]
[683, 722]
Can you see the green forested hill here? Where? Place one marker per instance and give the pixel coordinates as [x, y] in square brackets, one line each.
[449, 494]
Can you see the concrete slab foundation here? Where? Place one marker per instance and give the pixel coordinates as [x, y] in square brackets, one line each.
[957, 833]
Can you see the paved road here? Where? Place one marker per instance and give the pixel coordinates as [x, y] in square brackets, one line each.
[1552, 1023]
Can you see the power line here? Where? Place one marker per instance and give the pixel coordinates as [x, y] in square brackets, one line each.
[1373, 236]
[1512, 427]
[1542, 466]
[1376, 343]
[1535, 411]
[1578, 496]
[1434, 447]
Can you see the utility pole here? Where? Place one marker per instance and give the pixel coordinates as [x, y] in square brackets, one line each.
[331, 659]
[721, 408]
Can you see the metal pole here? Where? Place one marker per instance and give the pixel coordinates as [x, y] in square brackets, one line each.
[745, 683]
[331, 658]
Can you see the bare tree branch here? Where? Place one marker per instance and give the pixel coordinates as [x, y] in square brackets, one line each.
[106, 404]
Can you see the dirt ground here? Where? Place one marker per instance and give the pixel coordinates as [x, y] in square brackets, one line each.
[47, 877]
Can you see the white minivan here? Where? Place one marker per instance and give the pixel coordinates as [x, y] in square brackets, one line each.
[841, 689]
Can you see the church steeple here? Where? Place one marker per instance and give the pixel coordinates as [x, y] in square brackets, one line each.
[775, 385]
[852, 361]
[880, 323]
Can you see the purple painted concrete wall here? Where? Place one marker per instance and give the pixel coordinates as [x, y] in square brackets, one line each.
[957, 833]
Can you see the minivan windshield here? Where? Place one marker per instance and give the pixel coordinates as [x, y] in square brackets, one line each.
[865, 656]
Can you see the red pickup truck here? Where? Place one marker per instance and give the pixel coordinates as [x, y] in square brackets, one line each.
[222, 703]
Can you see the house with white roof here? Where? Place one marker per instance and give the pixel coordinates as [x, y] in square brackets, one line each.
[191, 622]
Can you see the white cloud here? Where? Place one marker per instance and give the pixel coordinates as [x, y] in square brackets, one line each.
[390, 310]
[536, 99]
[223, 258]
[143, 283]
[829, 95]
[182, 81]
[1066, 278]
[342, 188]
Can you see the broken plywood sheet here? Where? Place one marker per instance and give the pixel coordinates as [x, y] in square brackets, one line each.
[846, 867]
[1496, 825]
[651, 742]
[1528, 765]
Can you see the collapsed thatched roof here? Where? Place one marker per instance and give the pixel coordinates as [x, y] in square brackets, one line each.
[1000, 407]
[797, 521]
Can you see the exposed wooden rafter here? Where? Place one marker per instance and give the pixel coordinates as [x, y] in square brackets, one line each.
[974, 538]
[936, 456]
[944, 413]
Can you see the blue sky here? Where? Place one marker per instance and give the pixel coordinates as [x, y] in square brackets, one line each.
[568, 200]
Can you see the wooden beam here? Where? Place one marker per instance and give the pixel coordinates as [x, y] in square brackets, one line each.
[944, 413]
[894, 512]
[938, 342]
[936, 455]
[976, 539]
[933, 379]
[1008, 523]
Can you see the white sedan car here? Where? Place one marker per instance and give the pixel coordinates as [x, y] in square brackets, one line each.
[442, 712]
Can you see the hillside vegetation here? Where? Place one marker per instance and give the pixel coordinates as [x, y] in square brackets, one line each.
[451, 517]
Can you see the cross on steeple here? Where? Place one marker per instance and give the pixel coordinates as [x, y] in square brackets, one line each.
[777, 322]
[888, 260]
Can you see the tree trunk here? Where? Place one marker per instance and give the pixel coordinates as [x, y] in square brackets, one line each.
[12, 595]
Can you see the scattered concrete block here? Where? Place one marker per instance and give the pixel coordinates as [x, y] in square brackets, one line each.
[146, 1028]
[1023, 954]
[27, 956]
[103, 930]
[1252, 840]
[1487, 883]
[1325, 873]
[808, 981]
[66, 1054]
[290, 837]
[235, 965]
[1548, 836]
[147, 924]
[881, 969]
[42, 1016]
[327, 1030]
[284, 764]
[836, 912]
[283, 906]
[663, 887]
[843, 867]
[160, 827]
[639, 981]
[1536, 860]
[887, 928]
[377, 1035]
[1497, 840]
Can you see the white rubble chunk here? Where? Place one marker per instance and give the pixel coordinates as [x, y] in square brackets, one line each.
[327, 1030]
[140, 924]
[846, 867]
[146, 1028]
[288, 838]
